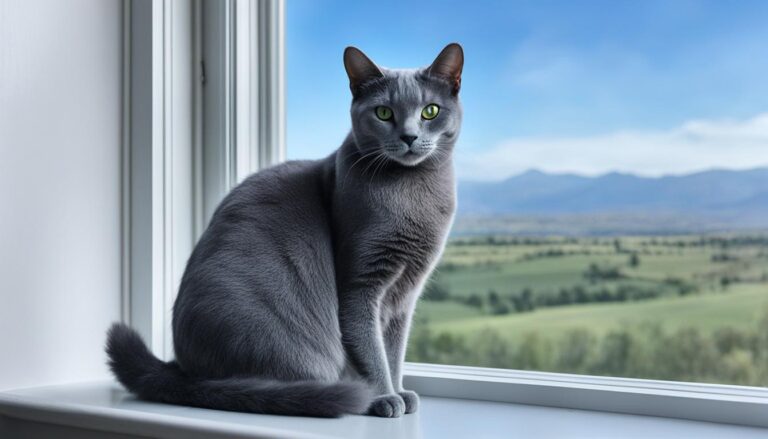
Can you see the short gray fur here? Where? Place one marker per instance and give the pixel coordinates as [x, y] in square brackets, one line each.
[298, 297]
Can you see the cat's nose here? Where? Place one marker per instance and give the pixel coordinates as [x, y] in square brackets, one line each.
[408, 139]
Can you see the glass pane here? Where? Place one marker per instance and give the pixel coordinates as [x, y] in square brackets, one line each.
[613, 178]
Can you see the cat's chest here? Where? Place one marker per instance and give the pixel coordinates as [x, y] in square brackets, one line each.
[422, 201]
[411, 227]
[395, 229]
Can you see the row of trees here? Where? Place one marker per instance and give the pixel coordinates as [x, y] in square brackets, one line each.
[489, 264]
[524, 301]
[740, 240]
[722, 242]
[718, 242]
[729, 355]
[513, 240]
[597, 273]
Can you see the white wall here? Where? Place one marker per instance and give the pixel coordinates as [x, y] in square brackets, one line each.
[60, 64]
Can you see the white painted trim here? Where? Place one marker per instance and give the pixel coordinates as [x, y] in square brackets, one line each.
[197, 94]
[259, 85]
[125, 167]
[195, 106]
[180, 83]
[694, 401]
[245, 93]
[158, 196]
[217, 97]
[271, 86]
[243, 45]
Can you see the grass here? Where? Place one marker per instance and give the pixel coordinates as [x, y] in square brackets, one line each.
[509, 266]
[477, 268]
[735, 308]
[548, 273]
[436, 312]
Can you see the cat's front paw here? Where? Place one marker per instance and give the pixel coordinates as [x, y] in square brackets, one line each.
[387, 406]
[411, 400]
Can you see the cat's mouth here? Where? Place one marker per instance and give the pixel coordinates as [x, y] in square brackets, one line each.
[408, 156]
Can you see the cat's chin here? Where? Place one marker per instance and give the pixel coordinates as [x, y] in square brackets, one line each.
[410, 158]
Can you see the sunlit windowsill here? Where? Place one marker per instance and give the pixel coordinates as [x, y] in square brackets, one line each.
[103, 408]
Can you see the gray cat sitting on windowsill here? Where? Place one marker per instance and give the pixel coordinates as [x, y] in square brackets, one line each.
[299, 296]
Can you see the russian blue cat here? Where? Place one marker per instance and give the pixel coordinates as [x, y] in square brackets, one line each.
[298, 297]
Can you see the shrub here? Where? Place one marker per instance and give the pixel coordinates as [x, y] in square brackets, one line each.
[474, 300]
[595, 273]
[728, 355]
[436, 292]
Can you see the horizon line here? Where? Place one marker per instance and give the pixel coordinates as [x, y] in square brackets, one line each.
[619, 172]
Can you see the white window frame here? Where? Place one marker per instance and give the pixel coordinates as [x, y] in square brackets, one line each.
[203, 108]
[186, 144]
[159, 155]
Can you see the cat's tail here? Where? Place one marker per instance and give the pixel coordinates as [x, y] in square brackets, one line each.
[151, 379]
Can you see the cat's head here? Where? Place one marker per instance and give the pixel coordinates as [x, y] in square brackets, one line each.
[407, 116]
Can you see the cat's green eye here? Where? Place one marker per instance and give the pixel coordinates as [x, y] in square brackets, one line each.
[384, 113]
[430, 111]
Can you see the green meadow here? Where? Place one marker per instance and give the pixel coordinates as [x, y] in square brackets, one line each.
[628, 306]
[733, 309]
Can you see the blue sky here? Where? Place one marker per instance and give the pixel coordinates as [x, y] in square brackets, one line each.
[651, 87]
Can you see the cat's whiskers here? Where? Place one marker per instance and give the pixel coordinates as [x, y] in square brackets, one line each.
[373, 161]
[383, 163]
[362, 157]
[355, 151]
[441, 156]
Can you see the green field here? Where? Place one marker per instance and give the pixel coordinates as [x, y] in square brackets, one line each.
[629, 306]
[733, 309]
[477, 267]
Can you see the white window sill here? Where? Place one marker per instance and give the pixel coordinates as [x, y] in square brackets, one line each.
[684, 400]
[103, 409]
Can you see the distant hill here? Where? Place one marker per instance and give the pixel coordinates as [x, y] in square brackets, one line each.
[716, 199]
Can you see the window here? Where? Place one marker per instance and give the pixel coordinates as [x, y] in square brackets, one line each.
[613, 179]
[545, 102]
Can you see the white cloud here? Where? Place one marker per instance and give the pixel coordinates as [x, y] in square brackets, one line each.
[693, 146]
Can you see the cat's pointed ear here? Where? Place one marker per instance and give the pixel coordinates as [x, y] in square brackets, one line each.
[448, 65]
[360, 68]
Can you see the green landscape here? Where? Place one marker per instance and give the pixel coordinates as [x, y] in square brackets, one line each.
[681, 307]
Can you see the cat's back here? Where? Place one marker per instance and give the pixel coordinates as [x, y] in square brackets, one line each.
[275, 218]
[293, 185]
[292, 195]
[263, 273]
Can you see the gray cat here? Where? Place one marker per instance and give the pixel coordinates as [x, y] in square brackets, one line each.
[298, 298]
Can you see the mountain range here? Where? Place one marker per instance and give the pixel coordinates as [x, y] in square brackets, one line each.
[735, 198]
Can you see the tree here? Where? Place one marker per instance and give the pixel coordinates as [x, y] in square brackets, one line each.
[581, 294]
[493, 297]
[436, 292]
[523, 301]
[495, 304]
[500, 309]
[595, 273]
[614, 354]
[634, 260]
[564, 298]
[474, 300]
[575, 349]
[490, 349]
